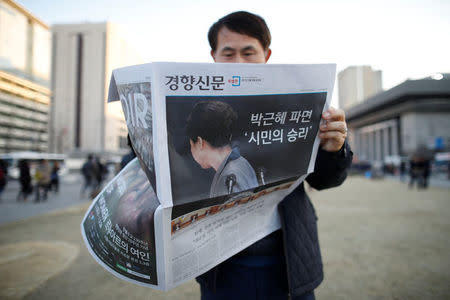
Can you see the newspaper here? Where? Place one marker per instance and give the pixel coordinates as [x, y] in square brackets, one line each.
[218, 147]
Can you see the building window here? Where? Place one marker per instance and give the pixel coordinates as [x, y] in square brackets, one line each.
[78, 91]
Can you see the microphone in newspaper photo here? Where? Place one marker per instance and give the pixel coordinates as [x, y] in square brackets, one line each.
[230, 182]
[261, 171]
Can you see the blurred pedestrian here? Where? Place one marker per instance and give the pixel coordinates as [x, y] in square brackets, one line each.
[402, 170]
[42, 176]
[413, 171]
[128, 157]
[448, 170]
[417, 172]
[426, 172]
[25, 181]
[3, 176]
[54, 177]
[99, 171]
[87, 170]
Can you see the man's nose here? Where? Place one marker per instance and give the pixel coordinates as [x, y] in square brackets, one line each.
[239, 59]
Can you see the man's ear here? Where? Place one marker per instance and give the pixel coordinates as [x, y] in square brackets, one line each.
[213, 55]
[201, 142]
[268, 53]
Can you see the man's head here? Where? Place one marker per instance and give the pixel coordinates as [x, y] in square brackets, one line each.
[210, 126]
[240, 37]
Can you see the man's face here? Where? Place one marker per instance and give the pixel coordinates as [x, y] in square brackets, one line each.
[233, 47]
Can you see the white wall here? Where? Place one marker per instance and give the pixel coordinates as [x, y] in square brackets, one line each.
[92, 108]
[41, 56]
[423, 128]
[63, 104]
[13, 38]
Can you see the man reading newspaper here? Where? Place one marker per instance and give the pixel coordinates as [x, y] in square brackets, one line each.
[288, 261]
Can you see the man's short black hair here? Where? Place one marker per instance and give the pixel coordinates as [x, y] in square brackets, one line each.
[213, 121]
[244, 23]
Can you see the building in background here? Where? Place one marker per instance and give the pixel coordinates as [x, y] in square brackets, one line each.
[356, 84]
[409, 118]
[25, 65]
[81, 120]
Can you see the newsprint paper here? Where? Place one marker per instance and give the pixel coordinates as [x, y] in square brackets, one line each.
[218, 147]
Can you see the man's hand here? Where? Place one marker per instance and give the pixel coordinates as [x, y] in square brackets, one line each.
[333, 130]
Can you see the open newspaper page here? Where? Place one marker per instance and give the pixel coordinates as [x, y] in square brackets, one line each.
[221, 145]
[232, 141]
[118, 229]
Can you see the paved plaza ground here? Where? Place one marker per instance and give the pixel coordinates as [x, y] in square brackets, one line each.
[379, 240]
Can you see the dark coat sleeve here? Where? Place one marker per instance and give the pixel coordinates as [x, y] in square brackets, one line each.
[331, 168]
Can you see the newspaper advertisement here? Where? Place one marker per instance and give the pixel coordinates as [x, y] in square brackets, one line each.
[218, 147]
[119, 227]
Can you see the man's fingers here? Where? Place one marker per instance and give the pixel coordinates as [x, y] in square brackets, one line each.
[336, 135]
[333, 114]
[339, 126]
[333, 131]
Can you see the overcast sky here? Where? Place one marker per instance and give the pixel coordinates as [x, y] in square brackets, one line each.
[404, 39]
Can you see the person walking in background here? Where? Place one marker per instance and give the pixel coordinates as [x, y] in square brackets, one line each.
[99, 171]
[402, 171]
[426, 172]
[413, 171]
[448, 170]
[54, 177]
[3, 176]
[87, 170]
[25, 181]
[42, 177]
[129, 156]
[96, 177]
[417, 172]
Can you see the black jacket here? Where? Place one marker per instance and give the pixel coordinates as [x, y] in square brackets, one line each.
[299, 222]
[297, 240]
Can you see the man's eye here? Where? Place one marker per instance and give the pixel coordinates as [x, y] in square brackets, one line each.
[248, 53]
[228, 55]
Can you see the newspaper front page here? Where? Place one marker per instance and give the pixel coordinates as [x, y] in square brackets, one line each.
[220, 146]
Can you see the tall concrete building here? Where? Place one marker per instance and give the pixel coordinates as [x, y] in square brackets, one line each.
[25, 58]
[81, 120]
[356, 84]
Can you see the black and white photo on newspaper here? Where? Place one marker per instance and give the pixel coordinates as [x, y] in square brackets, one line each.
[221, 145]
